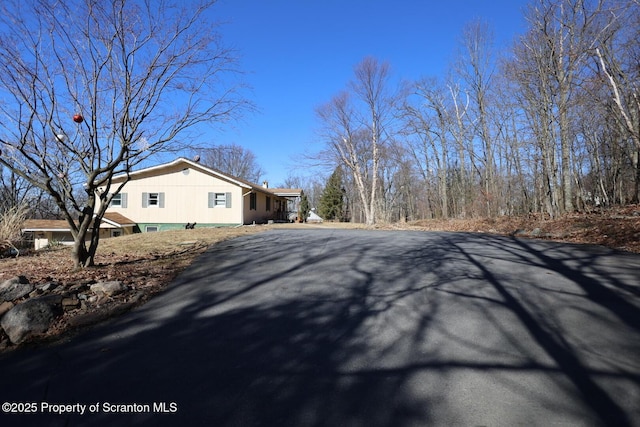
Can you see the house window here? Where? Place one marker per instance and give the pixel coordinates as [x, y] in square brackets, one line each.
[151, 228]
[219, 200]
[253, 201]
[116, 233]
[268, 203]
[116, 201]
[153, 200]
[119, 201]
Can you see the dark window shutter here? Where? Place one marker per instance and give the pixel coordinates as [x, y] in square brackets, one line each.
[211, 200]
[161, 200]
[227, 200]
[145, 200]
[123, 200]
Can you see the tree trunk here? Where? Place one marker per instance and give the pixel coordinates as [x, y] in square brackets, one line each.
[564, 82]
[375, 166]
[88, 224]
[81, 255]
[636, 188]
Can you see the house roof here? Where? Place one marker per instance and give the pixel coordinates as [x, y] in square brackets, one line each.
[109, 220]
[45, 225]
[117, 219]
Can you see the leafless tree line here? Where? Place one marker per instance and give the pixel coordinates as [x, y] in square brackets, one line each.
[551, 125]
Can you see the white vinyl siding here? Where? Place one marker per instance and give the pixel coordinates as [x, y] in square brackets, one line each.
[184, 198]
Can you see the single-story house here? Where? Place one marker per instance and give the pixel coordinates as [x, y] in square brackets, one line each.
[176, 194]
[44, 232]
[184, 192]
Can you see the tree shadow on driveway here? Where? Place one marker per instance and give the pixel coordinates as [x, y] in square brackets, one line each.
[360, 328]
[545, 326]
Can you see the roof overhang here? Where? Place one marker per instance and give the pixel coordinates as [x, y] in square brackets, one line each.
[287, 192]
[61, 225]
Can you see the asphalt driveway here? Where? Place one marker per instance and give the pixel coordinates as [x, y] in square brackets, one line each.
[357, 328]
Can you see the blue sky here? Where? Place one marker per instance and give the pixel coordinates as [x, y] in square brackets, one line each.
[298, 54]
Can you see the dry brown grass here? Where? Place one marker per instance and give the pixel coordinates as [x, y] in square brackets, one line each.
[10, 222]
[150, 244]
[614, 229]
[126, 254]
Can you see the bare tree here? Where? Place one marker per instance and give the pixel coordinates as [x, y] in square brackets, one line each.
[565, 32]
[618, 56]
[430, 121]
[535, 92]
[476, 67]
[356, 126]
[234, 160]
[460, 134]
[347, 144]
[91, 88]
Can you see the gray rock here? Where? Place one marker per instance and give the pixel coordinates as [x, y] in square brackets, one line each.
[15, 288]
[536, 232]
[49, 286]
[33, 316]
[108, 288]
[16, 279]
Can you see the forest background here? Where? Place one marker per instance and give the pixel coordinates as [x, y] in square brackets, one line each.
[548, 127]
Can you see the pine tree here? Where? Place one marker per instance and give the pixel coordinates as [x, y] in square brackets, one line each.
[332, 198]
[304, 208]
